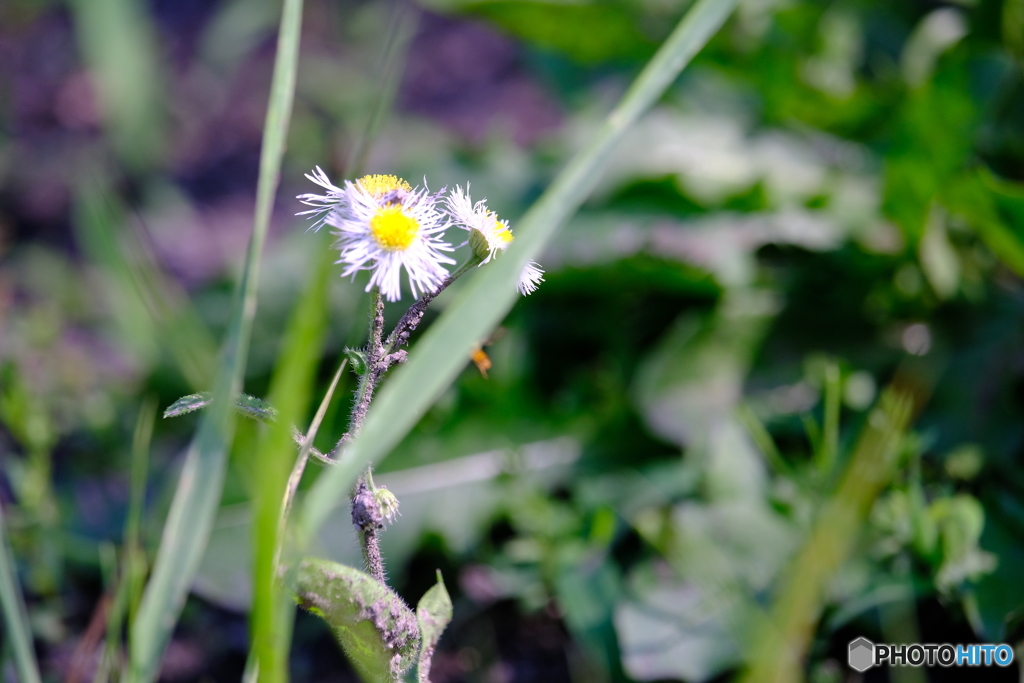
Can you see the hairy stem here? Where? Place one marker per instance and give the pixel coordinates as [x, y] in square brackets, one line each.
[407, 324]
[374, 356]
[380, 356]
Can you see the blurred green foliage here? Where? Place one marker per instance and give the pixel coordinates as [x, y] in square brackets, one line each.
[829, 198]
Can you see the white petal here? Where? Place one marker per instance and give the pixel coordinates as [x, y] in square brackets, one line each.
[530, 278]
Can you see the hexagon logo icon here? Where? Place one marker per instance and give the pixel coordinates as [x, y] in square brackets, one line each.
[861, 656]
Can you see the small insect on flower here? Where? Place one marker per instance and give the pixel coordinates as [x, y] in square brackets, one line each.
[383, 225]
[487, 234]
[530, 278]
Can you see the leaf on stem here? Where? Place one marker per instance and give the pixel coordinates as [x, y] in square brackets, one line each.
[377, 630]
[433, 614]
[249, 406]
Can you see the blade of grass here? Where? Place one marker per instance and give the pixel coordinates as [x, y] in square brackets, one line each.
[125, 584]
[272, 607]
[290, 391]
[447, 344]
[151, 308]
[134, 570]
[118, 44]
[762, 438]
[15, 616]
[403, 24]
[189, 521]
[280, 637]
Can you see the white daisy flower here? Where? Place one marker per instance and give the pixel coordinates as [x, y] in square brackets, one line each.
[487, 234]
[323, 204]
[384, 225]
[530, 278]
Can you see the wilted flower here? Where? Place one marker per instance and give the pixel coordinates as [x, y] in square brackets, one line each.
[383, 225]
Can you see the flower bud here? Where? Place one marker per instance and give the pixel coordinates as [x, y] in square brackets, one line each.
[387, 503]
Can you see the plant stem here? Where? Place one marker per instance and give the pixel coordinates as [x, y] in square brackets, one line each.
[375, 367]
[380, 356]
[407, 324]
[305, 448]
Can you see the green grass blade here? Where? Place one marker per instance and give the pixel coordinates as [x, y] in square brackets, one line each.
[151, 308]
[133, 573]
[404, 21]
[290, 391]
[195, 501]
[119, 46]
[447, 344]
[15, 615]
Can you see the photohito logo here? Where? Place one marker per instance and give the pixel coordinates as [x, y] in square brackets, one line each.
[863, 654]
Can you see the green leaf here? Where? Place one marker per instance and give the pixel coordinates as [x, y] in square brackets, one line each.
[992, 207]
[585, 33]
[15, 617]
[291, 389]
[357, 360]
[445, 347]
[433, 614]
[192, 512]
[378, 631]
[189, 404]
[246, 405]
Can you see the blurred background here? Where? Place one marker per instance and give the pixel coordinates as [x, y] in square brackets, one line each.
[830, 197]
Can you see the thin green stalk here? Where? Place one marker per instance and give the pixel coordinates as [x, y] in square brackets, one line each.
[782, 642]
[830, 424]
[134, 570]
[757, 431]
[199, 489]
[400, 32]
[446, 346]
[19, 633]
[303, 457]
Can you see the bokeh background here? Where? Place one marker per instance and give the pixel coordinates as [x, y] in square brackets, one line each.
[829, 197]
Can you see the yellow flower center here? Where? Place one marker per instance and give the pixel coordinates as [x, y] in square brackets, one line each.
[378, 185]
[499, 233]
[392, 229]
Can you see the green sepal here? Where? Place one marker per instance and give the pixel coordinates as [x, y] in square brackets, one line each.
[356, 360]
